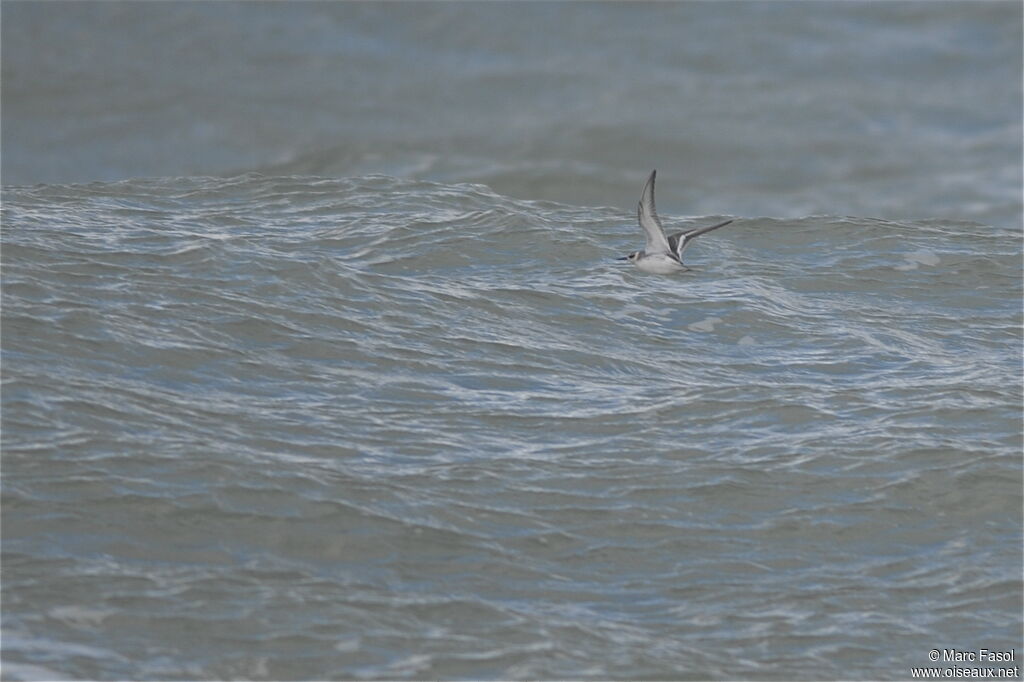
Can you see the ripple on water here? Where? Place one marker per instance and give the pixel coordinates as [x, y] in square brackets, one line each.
[388, 428]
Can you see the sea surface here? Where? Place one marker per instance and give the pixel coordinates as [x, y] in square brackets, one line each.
[317, 362]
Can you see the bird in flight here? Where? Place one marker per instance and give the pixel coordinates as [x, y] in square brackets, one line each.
[661, 255]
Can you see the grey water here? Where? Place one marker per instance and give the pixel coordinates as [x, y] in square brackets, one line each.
[317, 362]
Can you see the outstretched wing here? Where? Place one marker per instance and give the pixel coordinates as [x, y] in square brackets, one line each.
[678, 242]
[648, 218]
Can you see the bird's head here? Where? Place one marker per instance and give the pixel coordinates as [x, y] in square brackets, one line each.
[631, 257]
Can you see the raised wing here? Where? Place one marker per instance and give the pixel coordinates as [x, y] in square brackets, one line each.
[648, 218]
[678, 242]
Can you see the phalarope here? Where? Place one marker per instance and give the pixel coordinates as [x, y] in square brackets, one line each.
[661, 255]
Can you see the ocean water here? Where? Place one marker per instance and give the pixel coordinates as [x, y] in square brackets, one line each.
[318, 364]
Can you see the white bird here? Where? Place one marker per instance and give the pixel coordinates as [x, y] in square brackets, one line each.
[661, 255]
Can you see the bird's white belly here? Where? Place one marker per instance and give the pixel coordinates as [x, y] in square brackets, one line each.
[659, 265]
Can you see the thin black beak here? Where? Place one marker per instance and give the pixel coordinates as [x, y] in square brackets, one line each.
[623, 258]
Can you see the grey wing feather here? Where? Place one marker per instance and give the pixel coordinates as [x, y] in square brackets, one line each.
[678, 242]
[647, 215]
